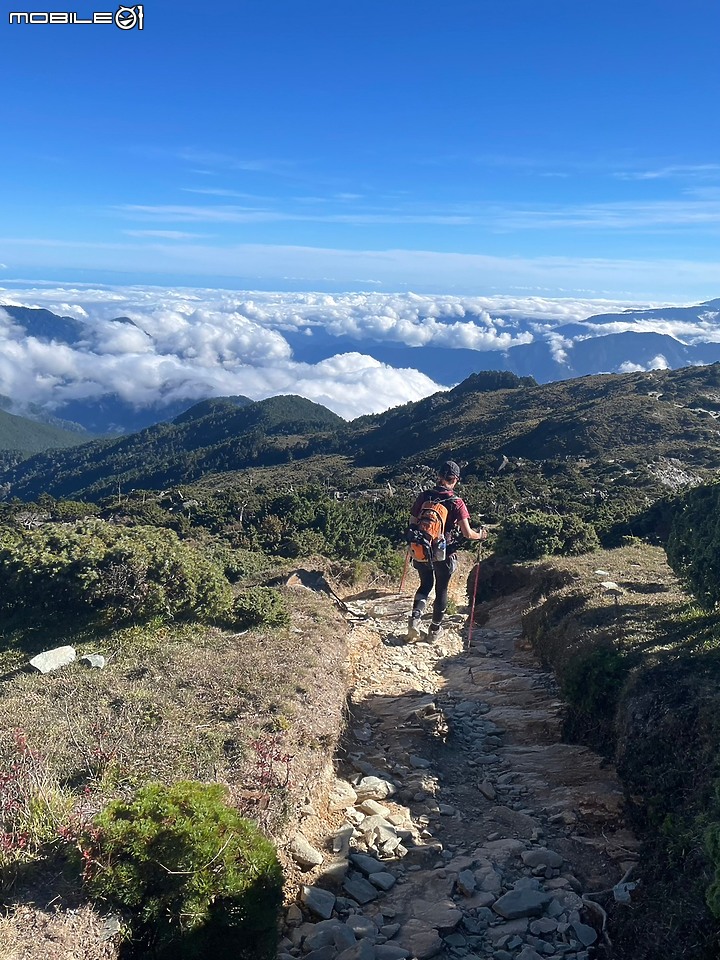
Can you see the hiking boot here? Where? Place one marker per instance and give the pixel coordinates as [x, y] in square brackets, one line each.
[434, 632]
[413, 632]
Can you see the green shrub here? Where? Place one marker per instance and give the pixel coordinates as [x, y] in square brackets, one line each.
[693, 546]
[261, 606]
[71, 510]
[535, 534]
[193, 876]
[127, 572]
[238, 563]
[529, 536]
[578, 537]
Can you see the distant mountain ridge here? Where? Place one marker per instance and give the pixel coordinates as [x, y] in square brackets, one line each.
[643, 339]
[558, 351]
[638, 417]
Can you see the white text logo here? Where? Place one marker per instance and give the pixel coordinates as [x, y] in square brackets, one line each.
[125, 18]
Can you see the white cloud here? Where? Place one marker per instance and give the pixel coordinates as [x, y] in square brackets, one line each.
[231, 213]
[165, 234]
[347, 383]
[262, 265]
[189, 343]
[704, 329]
[559, 347]
[183, 347]
[657, 363]
[679, 170]
[652, 215]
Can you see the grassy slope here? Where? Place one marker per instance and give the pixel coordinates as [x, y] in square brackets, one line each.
[180, 701]
[642, 678]
[260, 711]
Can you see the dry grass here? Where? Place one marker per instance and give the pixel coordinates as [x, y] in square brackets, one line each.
[260, 711]
[571, 609]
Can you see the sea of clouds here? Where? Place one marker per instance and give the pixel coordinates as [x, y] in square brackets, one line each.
[188, 344]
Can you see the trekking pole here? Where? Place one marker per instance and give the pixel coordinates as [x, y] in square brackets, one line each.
[402, 579]
[474, 594]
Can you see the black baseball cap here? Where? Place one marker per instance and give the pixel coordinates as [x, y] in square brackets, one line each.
[449, 470]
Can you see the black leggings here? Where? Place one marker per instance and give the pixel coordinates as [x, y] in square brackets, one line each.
[439, 576]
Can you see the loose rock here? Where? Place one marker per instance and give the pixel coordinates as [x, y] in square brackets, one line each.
[54, 659]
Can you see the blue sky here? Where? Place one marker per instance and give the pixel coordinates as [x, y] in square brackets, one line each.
[560, 148]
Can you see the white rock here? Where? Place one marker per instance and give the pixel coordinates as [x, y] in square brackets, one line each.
[303, 852]
[53, 659]
[96, 660]
[374, 788]
[372, 808]
[341, 796]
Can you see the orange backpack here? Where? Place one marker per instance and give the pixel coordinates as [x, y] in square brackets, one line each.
[430, 528]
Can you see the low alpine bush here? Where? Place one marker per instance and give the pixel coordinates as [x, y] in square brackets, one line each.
[193, 878]
[127, 572]
[261, 606]
[535, 534]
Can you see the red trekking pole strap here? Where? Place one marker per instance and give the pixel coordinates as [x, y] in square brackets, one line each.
[474, 595]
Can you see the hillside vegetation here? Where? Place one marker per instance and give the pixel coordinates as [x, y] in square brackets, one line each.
[617, 431]
[211, 671]
[21, 438]
[174, 563]
[213, 436]
[639, 665]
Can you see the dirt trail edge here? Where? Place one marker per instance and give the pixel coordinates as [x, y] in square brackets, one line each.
[463, 826]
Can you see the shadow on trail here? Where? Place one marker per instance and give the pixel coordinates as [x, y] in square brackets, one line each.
[471, 736]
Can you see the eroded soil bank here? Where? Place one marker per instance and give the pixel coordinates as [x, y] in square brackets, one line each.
[462, 825]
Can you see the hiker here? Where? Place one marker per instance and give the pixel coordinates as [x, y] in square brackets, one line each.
[437, 519]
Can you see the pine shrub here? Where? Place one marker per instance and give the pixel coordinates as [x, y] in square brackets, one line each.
[193, 877]
[260, 606]
[535, 534]
[127, 572]
[529, 536]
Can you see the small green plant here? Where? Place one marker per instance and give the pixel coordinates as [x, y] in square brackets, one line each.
[261, 606]
[193, 877]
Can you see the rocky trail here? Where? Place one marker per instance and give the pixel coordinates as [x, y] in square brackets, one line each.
[459, 825]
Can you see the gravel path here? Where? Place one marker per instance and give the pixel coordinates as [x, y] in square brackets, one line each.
[463, 827]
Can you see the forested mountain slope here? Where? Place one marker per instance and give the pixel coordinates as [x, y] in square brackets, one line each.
[20, 437]
[634, 418]
[215, 435]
